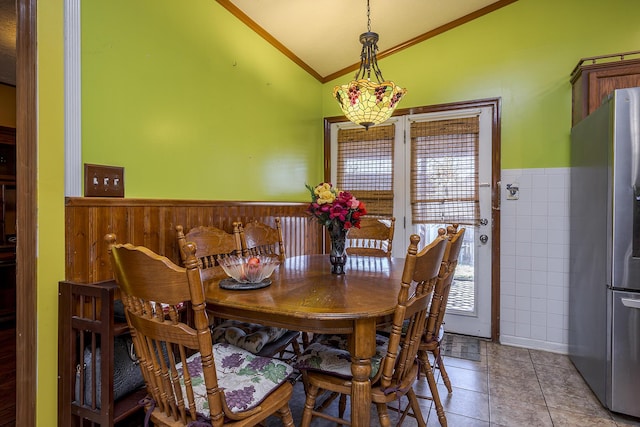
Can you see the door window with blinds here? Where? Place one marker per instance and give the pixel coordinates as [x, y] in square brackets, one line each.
[365, 167]
[437, 175]
[444, 171]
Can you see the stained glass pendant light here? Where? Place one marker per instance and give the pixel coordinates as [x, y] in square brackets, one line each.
[362, 101]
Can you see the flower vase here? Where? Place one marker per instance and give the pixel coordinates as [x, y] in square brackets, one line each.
[337, 256]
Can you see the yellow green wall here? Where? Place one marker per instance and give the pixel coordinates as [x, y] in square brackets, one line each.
[7, 105]
[50, 199]
[523, 53]
[194, 104]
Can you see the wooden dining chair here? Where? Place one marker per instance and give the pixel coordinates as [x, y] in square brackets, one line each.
[434, 331]
[258, 238]
[188, 378]
[326, 363]
[373, 238]
[212, 244]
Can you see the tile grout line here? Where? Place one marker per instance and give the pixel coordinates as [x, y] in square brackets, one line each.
[488, 368]
[544, 398]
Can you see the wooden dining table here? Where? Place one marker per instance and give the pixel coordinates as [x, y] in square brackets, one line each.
[304, 295]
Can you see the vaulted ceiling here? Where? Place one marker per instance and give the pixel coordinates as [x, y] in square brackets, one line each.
[323, 36]
[320, 36]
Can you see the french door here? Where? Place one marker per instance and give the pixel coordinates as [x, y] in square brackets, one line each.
[415, 160]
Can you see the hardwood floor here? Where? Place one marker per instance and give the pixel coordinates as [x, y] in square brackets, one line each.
[7, 374]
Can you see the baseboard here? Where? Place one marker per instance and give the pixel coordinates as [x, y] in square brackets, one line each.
[534, 344]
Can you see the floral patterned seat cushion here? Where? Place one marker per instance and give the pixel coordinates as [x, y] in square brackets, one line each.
[245, 378]
[328, 353]
[249, 336]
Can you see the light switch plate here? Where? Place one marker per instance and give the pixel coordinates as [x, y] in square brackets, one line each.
[103, 181]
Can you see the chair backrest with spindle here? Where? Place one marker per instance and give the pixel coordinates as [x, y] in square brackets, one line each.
[373, 238]
[441, 293]
[258, 238]
[212, 244]
[399, 367]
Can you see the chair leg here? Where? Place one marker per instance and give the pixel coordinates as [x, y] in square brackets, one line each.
[285, 416]
[415, 407]
[443, 371]
[310, 402]
[435, 395]
[424, 361]
[306, 339]
[296, 348]
[383, 415]
[342, 405]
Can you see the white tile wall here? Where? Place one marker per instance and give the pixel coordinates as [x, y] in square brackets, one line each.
[534, 259]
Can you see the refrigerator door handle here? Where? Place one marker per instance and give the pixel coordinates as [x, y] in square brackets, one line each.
[631, 303]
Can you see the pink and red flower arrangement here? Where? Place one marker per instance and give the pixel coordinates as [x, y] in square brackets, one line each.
[335, 208]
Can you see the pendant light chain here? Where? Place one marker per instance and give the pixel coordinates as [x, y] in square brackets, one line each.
[362, 101]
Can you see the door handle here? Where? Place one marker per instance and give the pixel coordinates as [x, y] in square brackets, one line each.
[484, 239]
[484, 221]
[631, 303]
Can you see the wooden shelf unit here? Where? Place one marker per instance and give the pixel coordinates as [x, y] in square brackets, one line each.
[86, 313]
[594, 78]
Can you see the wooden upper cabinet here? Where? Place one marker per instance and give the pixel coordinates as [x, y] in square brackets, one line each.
[593, 79]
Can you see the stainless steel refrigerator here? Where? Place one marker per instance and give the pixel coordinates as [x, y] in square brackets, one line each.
[604, 272]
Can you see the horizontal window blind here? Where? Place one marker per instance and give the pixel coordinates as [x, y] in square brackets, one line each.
[365, 167]
[444, 171]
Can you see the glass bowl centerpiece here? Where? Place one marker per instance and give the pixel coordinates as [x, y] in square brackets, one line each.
[249, 269]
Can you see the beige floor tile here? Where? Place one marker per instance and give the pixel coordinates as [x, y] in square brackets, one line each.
[513, 371]
[551, 390]
[512, 413]
[528, 393]
[547, 358]
[463, 402]
[505, 352]
[564, 377]
[455, 420]
[466, 364]
[563, 418]
[586, 405]
[467, 379]
[511, 368]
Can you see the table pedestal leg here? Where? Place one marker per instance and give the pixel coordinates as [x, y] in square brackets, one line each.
[363, 346]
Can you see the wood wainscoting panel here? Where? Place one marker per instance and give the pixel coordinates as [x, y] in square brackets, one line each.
[152, 222]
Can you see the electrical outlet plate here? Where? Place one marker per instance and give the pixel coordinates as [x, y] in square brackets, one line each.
[103, 181]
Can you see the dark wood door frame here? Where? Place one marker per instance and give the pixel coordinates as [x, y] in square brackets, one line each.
[495, 104]
[26, 172]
